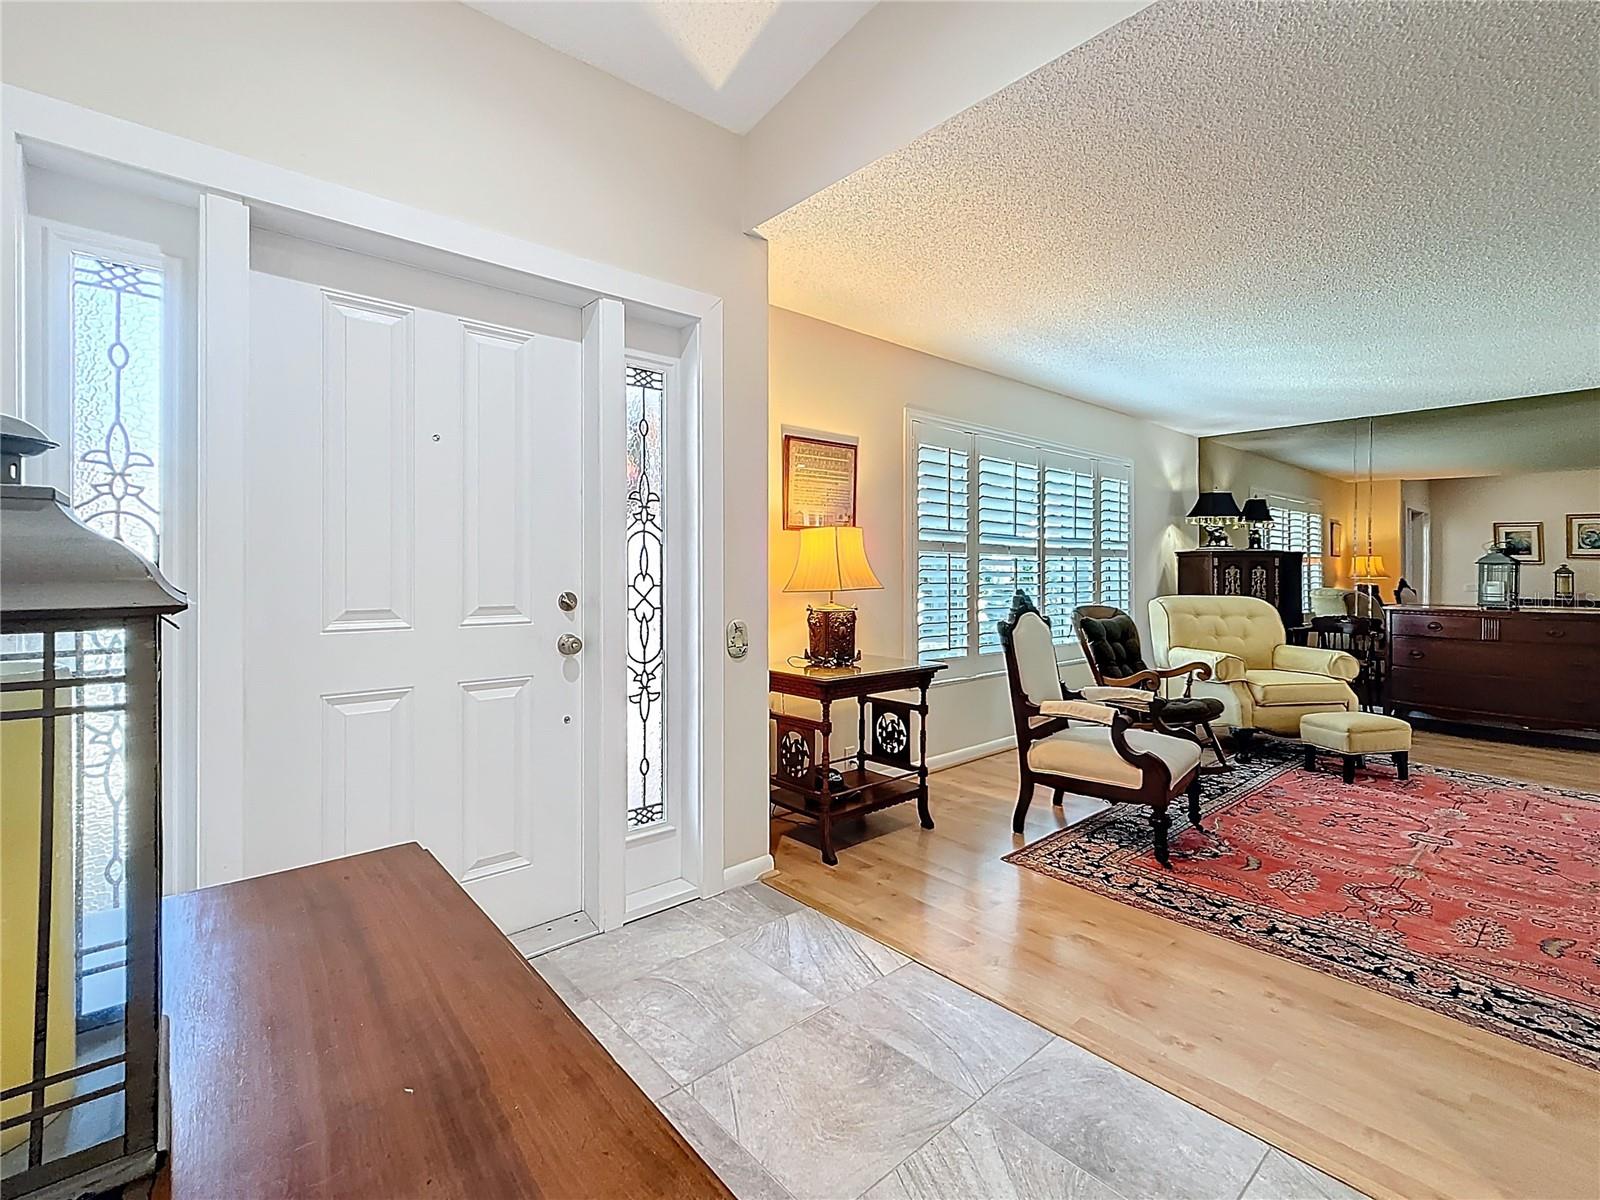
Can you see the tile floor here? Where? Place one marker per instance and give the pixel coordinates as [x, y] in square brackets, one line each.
[806, 1061]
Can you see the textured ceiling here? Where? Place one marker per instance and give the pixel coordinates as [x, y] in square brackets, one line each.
[1510, 437]
[728, 61]
[1235, 216]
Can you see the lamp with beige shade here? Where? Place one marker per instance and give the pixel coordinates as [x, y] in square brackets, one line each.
[832, 559]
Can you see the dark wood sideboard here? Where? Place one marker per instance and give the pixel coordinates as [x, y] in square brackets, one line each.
[358, 1029]
[1530, 667]
[1270, 575]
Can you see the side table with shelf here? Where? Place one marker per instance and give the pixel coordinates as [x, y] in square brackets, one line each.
[891, 734]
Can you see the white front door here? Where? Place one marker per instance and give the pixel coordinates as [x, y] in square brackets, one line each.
[413, 512]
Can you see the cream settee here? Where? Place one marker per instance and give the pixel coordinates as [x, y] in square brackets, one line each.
[1263, 682]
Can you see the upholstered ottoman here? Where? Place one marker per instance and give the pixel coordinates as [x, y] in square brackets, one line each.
[1353, 736]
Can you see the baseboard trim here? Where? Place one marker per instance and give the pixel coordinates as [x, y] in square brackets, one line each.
[954, 758]
[749, 871]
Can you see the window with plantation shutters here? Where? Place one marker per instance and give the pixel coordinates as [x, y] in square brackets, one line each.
[942, 521]
[995, 515]
[1298, 525]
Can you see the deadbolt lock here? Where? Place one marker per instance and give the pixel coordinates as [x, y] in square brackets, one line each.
[567, 601]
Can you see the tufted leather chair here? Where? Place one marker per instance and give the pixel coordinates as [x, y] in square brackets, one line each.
[1110, 642]
[1263, 682]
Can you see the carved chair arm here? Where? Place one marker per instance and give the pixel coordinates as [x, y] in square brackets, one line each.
[1154, 676]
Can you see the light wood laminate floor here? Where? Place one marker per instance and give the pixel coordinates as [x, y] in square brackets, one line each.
[1390, 1097]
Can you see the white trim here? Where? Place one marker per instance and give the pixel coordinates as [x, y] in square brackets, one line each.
[224, 325]
[954, 758]
[31, 116]
[747, 872]
[602, 605]
[240, 188]
[702, 384]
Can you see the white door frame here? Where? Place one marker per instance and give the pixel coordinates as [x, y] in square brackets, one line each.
[234, 190]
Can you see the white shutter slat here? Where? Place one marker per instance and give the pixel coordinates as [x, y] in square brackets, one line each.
[942, 593]
[999, 578]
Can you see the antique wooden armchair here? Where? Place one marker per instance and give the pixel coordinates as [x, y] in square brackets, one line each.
[1074, 745]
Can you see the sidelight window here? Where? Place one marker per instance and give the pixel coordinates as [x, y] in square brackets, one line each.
[646, 625]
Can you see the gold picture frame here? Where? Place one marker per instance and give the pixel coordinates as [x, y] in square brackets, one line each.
[1523, 540]
[1583, 535]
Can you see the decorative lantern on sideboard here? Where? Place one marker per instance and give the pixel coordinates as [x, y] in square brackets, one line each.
[1497, 578]
[1566, 592]
[79, 707]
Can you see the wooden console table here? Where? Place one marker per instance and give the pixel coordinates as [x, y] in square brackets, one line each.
[884, 736]
[359, 1028]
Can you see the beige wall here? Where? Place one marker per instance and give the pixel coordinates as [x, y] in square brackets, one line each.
[1464, 514]
[1225, 469]
[437, 106]
[830, 379]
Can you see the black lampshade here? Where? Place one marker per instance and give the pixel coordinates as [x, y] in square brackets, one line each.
[1256, 511]
[1215, 506]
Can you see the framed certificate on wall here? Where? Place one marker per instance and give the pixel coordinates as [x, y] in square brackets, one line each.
[819, 480]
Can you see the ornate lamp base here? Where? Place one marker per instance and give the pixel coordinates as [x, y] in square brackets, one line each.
[832, 629]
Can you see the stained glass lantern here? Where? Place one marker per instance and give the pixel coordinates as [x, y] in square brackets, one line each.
[80, 1046]
[1497, 579]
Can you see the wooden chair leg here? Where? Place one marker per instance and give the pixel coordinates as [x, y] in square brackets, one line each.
[1402, 764]
[1216, 747]
[1243, 741]
[1311, 758]
[1024, 798]
[1060, 795]
[1194, 800]
[1161, 824]
[1349, 768]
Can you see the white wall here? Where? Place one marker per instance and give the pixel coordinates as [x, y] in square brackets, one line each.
[437, 106]
[831, 379]
[1465, 512]
[1225, 468]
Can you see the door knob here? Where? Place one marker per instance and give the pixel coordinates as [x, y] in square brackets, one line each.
[569, 644]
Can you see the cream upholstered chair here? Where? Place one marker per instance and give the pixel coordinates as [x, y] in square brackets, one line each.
[1264, 683]
[1074, 745]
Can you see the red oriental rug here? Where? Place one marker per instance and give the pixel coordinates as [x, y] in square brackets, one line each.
[1473, 896]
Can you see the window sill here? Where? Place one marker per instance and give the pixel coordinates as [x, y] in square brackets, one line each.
[950, 679]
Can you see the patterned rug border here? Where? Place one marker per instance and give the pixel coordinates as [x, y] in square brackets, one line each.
[1584, 1055]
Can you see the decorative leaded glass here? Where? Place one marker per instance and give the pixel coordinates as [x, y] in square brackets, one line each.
[116, 341]
[116, 400]
[646, 395]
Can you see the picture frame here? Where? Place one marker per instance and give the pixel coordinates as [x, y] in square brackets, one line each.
[1523, 540]
[1335, 539]
[1583, 535]
[819, 479]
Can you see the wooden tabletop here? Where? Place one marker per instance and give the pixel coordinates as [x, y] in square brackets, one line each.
[359, 1028]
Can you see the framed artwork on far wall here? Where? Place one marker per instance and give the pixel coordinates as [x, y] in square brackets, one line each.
[819, 479]
[1583, 535]
[1335, 539]
[1523, 540]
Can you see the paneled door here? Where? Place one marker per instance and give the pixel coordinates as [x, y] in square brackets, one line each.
[411, 665]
